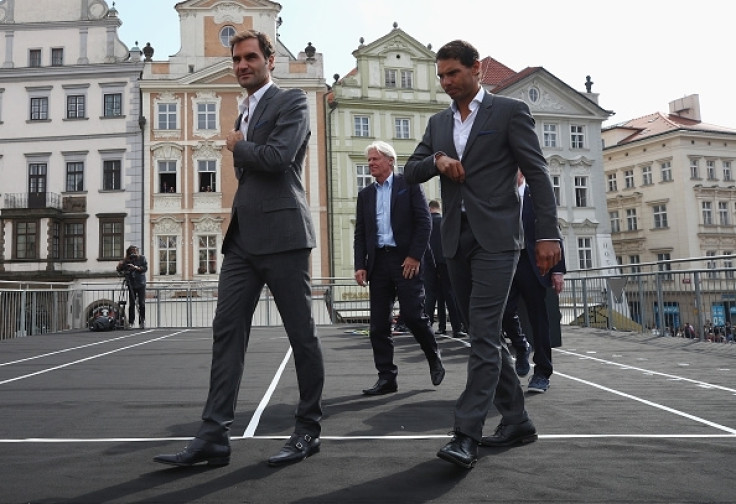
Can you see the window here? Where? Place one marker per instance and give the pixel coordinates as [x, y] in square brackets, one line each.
[634, 261]
[723, 217]
[111, 175]
[612, 183]
[666, 170]
[585, 253]
[549, 132]
[26, 239]
[75, 177]
[694, 169]
[727, 176]
[39, 108]
[407, 79]
[402, 127]
[206, 116]
[167, 116]
[631, 221]
[581, 191]
[167, 255]
[710, 169]
[34, 58]
[364, 177]
[361, 126]
[167, 176]
[73, 240]
[113, 105]
[390, 78]
[577, 137]
[728, 264]
[660, 216]
[711, 264]
[615, 221]
[207, 170]
[75, 107]
[37, 177]
[55, 252]
[226, 34]
[664, 266]
[207, 255]
[533, 94]
[629, 179]
[707, 208]
[556, 188]
[646, 175]
[57, 56]
[111, 237]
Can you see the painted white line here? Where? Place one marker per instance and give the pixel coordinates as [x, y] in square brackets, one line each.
[253, 425]
[101, 342]
[651, 403]
[649, 371]
[92, 357]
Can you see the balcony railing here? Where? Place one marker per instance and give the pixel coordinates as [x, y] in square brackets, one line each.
[21, 201]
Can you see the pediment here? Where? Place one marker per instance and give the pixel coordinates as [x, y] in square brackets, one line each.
[397, 41]
[219, 73]
[209, 4]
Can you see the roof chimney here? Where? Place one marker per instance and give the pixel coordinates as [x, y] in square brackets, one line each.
[687, 107]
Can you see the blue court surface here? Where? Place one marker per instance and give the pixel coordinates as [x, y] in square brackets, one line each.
[628, 418]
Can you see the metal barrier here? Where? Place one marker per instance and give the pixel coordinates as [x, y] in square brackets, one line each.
[658, 298]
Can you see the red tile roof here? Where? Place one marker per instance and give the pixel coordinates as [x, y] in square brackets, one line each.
[659, 123]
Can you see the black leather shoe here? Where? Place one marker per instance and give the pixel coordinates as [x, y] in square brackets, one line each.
[382, 387]
[440, 331]
[198, 451]
[507, 435]
[459, 334]
[296, 449]
[436, 370]
[462, 451]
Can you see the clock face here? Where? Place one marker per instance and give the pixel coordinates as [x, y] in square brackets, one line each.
[96, 10]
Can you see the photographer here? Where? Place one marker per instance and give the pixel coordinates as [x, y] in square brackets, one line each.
[134, 267]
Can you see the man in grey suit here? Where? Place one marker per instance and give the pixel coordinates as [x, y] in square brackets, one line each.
[268, 242]
[476, 147]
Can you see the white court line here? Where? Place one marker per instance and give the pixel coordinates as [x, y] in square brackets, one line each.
[648, 371]
[72, 348]
[62, 366]
[651, 403]
[253, 424]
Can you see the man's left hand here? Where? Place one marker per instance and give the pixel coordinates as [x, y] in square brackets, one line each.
[411, 267]
[548, 254]
[233, 138]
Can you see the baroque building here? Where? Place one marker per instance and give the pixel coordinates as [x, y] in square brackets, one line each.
[70, 141]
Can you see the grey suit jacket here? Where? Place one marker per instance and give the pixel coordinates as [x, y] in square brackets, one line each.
[501, 140]
[270, 205]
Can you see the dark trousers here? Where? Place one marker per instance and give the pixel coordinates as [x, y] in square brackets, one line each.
[386, 284]
[439, 293]
[481, 280]
[241, 280]
[527, 287]
[136, 297]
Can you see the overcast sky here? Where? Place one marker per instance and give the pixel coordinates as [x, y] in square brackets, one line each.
[640, 54]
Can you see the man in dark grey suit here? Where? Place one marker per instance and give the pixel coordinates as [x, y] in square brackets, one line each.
[268, 242]
[476, 147]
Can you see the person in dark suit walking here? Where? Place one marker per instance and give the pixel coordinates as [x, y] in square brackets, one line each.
[437, 281]
[268, 242]
[134, 266]
[531, 286]
[392, 227]
[476, 146]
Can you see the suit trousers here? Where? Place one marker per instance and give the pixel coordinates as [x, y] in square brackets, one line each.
[386, 283]
[439, 292]
[527, 287]
[481, 280]
[242, 278]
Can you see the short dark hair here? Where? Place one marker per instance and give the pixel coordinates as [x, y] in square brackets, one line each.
[264, 41]
[460, 50]
[434, 203]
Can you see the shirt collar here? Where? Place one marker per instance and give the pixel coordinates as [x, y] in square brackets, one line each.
[474, 103]
[253, 99]
[389, 182]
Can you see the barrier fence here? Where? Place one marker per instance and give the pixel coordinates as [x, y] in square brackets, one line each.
[658, 298]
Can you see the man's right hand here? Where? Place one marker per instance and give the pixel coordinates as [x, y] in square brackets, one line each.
[360, 277]
[233, 138]
[451, 168]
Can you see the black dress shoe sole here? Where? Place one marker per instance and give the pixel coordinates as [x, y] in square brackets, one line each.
[292, 460]
[214, 462]
[526, 439]
[449, 458]
[382, 391]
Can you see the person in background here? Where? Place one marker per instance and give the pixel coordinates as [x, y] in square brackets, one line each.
[392, 229]
[134, 266]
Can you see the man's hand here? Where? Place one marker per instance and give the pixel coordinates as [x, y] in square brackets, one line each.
[411, 267]
[360, 277]
[558, 282]
[451, 168]
[548, 253]
[233, 137]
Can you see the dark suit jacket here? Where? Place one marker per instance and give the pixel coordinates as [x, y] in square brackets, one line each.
[435, 239]
[529, 221]
[410, 223]
[501, 141]
[270, 206]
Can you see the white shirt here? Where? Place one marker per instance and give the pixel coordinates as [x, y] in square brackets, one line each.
[383, 213]
[461, 129]
[251, 101]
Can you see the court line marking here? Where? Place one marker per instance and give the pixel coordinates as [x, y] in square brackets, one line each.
[256, 418]
[650, 403]
[647, 371]
[91, 357]
[56, 352]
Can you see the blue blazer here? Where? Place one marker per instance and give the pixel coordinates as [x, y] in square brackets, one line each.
[528, 219]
